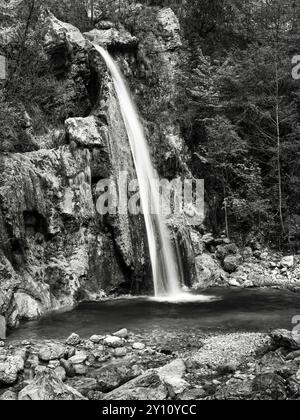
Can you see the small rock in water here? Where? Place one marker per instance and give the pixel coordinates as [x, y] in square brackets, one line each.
[2, 344]
[73, 340]
[80, 357]
[123, 333]
[138, 346]
[112, 341]
[96, 339]
[120, 352]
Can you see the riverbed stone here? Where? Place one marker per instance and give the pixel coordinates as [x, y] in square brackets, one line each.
[8, 373]
[114, 342]
[284, 338]
[52, 351]
[11, 365]
[46, 386]
[269, 386]
[80, 369]
[9, 396]
[115, 374]
[226, 349]
[288, 262]
[96, 339]
[84, 385]
[172, 376]
[61, 373]
[293, 355]
[73, 340]
[148, 386]
[123, 333]
[235, 389]
[69, 367]
[120, 352]
[138, 346]
[78, 358]
[231, 263]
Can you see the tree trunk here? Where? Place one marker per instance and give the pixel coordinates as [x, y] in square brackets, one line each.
[280, 201]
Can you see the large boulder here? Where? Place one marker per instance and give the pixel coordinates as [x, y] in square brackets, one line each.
[114, 374]
[58, 33]
[208, 271]
[172, 376]
[10, 368]
[48, 387]
[231, 263]
[148, 386]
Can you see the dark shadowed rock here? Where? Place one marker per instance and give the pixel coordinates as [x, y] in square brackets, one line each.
[148, 386]
[231, 263]
[114, 374]
[69, 368]
[269, 386]
[285, 338]
[235, 389]
[83, 385]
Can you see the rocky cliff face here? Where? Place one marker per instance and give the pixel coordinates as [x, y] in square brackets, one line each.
[55, 248]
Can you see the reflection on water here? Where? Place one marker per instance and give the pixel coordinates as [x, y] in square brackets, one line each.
[235, 309]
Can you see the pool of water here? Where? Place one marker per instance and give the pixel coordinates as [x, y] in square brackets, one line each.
[223, 310]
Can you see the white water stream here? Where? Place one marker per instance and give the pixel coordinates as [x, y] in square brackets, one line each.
[165, 266]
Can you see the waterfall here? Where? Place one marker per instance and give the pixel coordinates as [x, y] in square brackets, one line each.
[165, 267]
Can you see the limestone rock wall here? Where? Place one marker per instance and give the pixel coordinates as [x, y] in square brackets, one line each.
[55, 249]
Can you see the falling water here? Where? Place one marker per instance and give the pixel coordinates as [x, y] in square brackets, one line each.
[165, 266]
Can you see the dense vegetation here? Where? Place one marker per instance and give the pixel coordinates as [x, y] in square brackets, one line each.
[238, 105]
